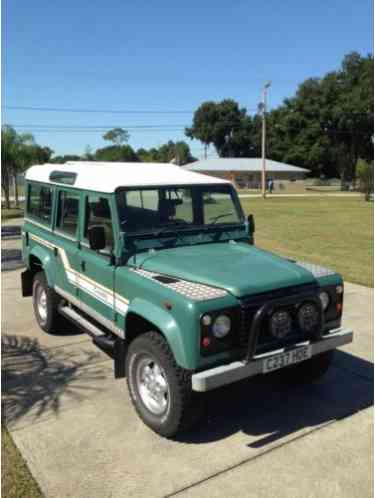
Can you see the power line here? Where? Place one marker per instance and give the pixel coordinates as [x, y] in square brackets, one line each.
[96, 127]
[101, 111]
[52, 130]
[96, 111]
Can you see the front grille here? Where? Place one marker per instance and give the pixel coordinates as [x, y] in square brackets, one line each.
[266, 342]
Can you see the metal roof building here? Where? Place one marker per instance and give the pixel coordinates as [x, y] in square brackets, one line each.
[246, 172]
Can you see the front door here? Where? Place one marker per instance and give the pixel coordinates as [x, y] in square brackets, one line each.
[97, 268]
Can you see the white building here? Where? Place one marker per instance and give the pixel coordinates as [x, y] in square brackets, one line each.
[246, 172]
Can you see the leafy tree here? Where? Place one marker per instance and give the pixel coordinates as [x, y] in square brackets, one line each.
[19, 152]
[65, 158]
[88, 155]
[226, 126]
[41, 154]
[365, 174]
[325, 127]
[204, 123]
[176, 152]
[147, 156]
[117, 135]
[8, 147]
[328, 124]
[116, 153]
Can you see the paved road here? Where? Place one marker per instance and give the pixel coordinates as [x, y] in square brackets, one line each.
[80, 437]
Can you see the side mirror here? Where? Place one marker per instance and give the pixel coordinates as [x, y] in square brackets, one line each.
[251, 222]
[96, 235]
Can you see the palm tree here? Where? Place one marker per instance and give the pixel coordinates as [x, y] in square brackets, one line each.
[18, 151]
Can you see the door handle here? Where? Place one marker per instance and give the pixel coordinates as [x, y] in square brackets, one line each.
[83, 265]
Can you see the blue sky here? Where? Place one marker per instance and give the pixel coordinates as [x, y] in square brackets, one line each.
[163, 56]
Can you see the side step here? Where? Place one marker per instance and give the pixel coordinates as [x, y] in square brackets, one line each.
[79, 320]
[114, 346]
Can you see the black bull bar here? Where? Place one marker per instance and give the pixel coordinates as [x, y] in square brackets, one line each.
[273, 304]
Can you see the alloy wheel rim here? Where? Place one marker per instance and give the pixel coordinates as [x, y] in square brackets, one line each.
[42, 303]
[152, 385]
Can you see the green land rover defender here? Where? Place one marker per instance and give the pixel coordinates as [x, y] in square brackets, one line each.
[158, 265]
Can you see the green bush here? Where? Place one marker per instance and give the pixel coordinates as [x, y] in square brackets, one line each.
[321, 182]
[365, 175]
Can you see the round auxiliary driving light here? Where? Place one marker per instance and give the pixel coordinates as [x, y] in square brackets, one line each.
[308, 317]
[221, 326]
[206, 320]
[280, 324]
[324, 298]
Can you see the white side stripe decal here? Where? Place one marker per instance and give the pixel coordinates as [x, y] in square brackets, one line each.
[86, 284]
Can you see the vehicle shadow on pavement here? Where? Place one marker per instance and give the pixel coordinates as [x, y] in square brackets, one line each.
[267, 408]
[35, 378]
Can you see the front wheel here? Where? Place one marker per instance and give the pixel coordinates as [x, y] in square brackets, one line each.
[159, 389]
[45, 303]
[310, 370]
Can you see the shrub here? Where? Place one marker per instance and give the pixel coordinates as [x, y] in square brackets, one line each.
[321, 182]
[365, 174]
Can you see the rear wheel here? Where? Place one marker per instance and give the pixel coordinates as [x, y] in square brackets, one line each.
[310, 370]
[45, 303]
[159, 389]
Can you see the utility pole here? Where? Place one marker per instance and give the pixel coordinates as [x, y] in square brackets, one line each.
[264, 110]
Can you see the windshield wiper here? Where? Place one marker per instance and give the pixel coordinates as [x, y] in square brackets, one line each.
[169, 228]
[216, 218]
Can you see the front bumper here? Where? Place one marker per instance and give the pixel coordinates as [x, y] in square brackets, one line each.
[226, 374]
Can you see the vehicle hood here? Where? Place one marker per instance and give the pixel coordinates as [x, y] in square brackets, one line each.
[239, 268]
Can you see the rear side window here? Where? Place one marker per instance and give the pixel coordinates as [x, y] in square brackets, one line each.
[68, 212]
[39, 203]
[98, 212]
[63, 177]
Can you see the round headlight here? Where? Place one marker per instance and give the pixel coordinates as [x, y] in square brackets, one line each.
[221, 326]
[324, 299]
[308, 317]
[280, 324]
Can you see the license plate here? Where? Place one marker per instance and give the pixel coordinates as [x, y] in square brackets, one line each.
[285, 359]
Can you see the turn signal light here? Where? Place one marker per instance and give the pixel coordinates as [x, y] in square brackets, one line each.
[339, 308]
[206, 342]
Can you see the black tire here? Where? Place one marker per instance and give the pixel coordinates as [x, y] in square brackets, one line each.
[180, 412]
[310, 370]
[50, 321]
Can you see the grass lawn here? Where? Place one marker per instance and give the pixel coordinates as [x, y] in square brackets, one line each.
[16, 480]
[300, 189]
[334, 232]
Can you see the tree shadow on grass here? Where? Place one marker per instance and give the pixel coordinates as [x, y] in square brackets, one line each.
[268, 409]
[35, 379]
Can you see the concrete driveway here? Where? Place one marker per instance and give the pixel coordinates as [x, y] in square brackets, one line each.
[76, 428]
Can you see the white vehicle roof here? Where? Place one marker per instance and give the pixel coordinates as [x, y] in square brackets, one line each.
[108, 176]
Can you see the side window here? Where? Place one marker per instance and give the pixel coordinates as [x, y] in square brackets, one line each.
[39, 203]
[142, 210]
[68, 212]
[98, 212]
[144, 199]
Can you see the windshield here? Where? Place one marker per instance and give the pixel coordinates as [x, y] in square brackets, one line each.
[162, 209]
